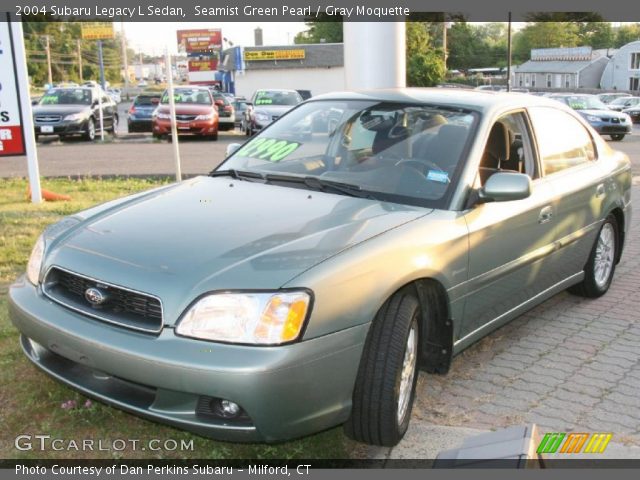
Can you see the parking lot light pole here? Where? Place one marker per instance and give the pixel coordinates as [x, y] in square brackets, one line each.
[172, 114]
[378, 62]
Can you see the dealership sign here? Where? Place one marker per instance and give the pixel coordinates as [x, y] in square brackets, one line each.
[11, 134]
[97, 30]
[293, 54]
[205, 65]
[203, 40]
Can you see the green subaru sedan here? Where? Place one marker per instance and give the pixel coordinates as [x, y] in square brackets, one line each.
[303, 284]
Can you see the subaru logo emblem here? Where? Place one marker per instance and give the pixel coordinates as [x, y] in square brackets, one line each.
[95, 296]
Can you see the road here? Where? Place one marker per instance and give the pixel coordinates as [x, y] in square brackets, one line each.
[139, 154]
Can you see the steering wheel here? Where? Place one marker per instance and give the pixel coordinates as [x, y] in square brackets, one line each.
[419, 165]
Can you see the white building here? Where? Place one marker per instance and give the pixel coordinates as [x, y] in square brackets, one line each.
[561, 68]
[623, 70]
[315, 67]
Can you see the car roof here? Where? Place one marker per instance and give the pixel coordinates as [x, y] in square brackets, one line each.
[480, 100]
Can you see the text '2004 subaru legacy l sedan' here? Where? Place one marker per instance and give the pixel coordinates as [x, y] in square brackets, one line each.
[305, 282]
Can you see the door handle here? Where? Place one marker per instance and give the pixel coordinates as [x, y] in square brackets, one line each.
[600, 190]
[546, 214]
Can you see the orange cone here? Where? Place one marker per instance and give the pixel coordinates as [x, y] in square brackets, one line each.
[50, 196]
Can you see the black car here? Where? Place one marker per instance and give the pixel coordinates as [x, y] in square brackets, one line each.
[141, 112]
[634, 113]
[74, 111]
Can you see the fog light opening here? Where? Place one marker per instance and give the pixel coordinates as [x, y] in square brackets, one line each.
[228, 409]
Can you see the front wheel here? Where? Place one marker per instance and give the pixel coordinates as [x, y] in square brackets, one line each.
[385, 387]
[90, 131]
[618, 137]
[598, 272]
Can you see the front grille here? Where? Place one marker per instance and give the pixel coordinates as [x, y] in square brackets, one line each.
[185, 118]
[121, 306]
[48, 118]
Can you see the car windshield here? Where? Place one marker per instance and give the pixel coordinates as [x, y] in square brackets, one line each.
[404, 153]
[188, 95]
[277, 97]
[583, 102]
[71, 96]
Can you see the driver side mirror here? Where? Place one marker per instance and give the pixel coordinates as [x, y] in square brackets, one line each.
[231, 148]
[505, 187]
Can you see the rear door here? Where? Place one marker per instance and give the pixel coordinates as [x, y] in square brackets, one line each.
[568, 157]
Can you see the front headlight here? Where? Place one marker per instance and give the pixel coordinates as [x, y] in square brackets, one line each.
[591, 118]
[250, 318]
[205, 117]
[75, 117]
[35, 261]
[262, 117]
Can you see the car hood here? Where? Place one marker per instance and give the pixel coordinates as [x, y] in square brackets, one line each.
[271, 110]
[210, 234]
[60, 109]
[602, 113]
[183, 109]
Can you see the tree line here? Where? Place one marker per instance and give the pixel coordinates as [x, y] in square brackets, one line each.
[479, 45]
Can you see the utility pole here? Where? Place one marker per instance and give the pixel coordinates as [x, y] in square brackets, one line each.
[79, 48]
[124, 59]
[48, 50]
[509, 54]
[444, 43]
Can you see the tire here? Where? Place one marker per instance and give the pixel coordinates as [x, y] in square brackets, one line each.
[90, 133]
[386, 383]
[213, 137]
[114, 126]
[618, 137]
[599, 270]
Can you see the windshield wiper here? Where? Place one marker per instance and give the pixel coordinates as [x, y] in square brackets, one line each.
[323, 185]
[237, 174]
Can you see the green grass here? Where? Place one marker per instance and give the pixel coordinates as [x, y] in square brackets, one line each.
[31, 403]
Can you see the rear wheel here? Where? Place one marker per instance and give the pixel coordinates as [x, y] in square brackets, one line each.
[618, 137]
[114, 126]
[599, 270]
[385, 387]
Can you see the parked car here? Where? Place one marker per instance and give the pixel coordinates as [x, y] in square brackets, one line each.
[300, 286]
[602, 119]
[622, 103]
[141, 112]
[74, 111]
[267, 106]
[240, 107]
[226, 112]
[115, 94]
[607, 98]
[196, 114]
[634, 113]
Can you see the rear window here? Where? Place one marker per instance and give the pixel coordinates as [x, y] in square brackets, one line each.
[147, 100]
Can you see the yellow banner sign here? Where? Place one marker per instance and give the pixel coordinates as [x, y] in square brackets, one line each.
[97, 30]
[251, 55]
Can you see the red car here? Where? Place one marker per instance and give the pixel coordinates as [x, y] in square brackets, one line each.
[196, 114]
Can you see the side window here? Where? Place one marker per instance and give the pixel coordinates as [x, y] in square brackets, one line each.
[562, 141]
[508, 148]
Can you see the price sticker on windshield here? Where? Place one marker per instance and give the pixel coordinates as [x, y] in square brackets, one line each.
[270, 149]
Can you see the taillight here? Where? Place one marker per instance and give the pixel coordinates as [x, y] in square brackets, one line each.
[132, 109]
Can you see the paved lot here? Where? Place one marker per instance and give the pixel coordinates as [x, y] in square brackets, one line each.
[138, 154]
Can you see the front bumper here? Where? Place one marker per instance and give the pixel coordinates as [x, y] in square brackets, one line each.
[193, 127]
[140, 124]
[61, 128]
[606, 128]
[286, 391]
